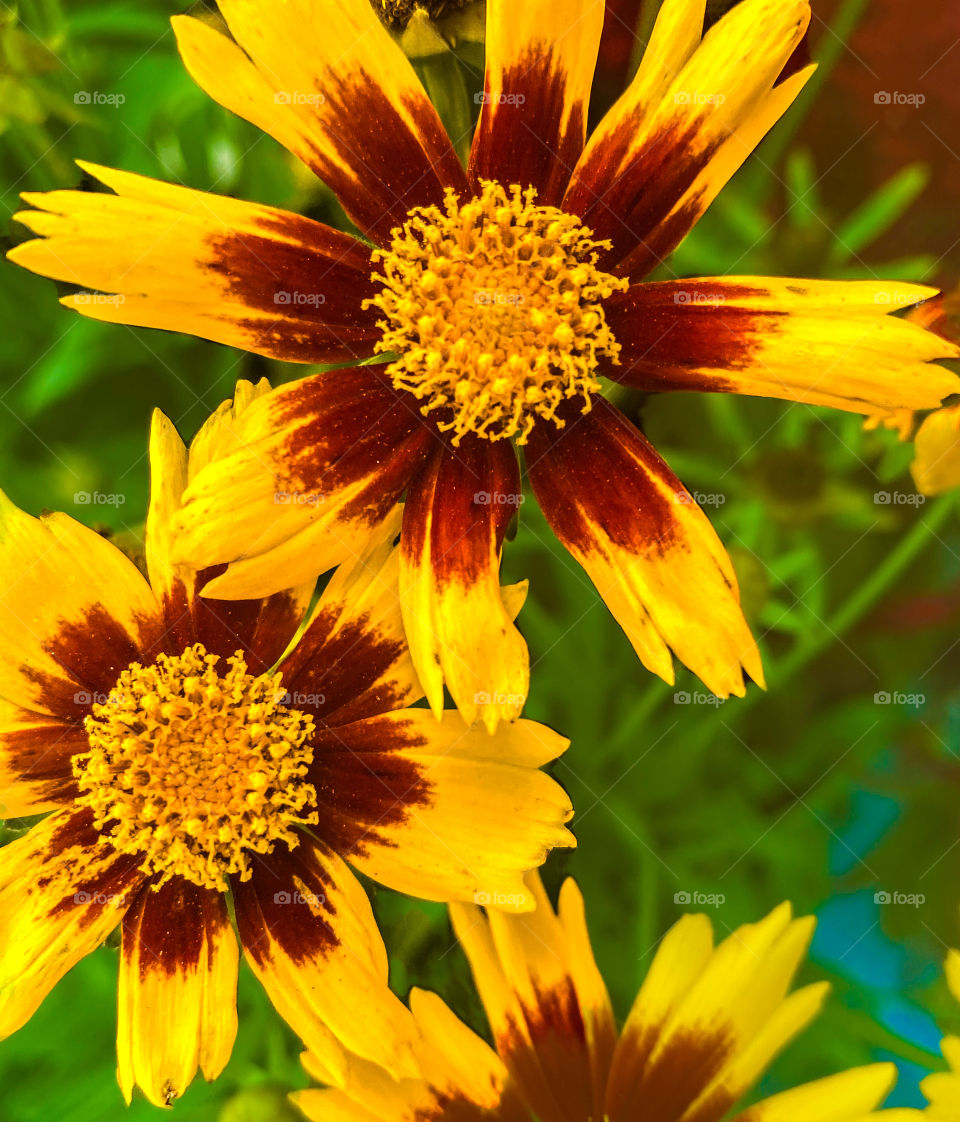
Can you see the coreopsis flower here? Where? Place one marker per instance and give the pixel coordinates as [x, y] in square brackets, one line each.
[189, 753]
[942, 1089]
[936, 437]
[707, 1022]
[489, 304]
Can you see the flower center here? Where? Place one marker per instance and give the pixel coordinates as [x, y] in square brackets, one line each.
[494, 306]
[193, 770]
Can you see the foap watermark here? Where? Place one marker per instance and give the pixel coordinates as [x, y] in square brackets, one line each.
[895, 97]
[498, 899]
[91, 697]
[117, 899]
[698, 97]
[298, 498]
[315, 700]
[299, 299]
[98, 498]
[482, 697]
[498, 498]
[898, 498]
[700, 899]
[98, 97]
[697, 698]
[311, 899]
[912, 700]
[493, 297]
[95, 298]
[700, 498]
[499, 98]
[904, 899]
[897, 299]
[691, 296]
[298, 97]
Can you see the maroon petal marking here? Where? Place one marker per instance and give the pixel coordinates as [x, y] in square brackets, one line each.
[35, 754]
[355, 113]
[342, 672]
[348, 425]
[93, 651]
[669, 330]
[667, 1086]
[363, 786]
[540, 64]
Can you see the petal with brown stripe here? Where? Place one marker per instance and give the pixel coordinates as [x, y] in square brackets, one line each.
[62, 891]
[460, 633]
[178, 989]
[249, 276]
[547, 1005]
[707, 1021]
[328, 82]
[308, 932]
[260, 628]
[645, 544]
[352, 659]
[439, 810]
[35, 761]
[694, 112]
[818, 342]
[540, 63]
[322, 464]
[74, 613]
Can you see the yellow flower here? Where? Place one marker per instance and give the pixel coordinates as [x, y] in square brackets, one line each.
[495, 300]
[706, 1024]
[188, 751]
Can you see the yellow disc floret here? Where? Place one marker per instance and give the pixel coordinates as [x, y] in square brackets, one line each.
[493, 306]
[194, 770]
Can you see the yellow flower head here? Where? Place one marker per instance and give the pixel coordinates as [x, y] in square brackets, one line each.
[707, 1022]
[187, 752]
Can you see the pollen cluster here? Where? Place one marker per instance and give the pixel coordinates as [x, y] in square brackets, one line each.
[493, 306]
[194, 770]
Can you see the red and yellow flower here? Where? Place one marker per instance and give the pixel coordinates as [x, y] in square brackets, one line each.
[706, 1024]
[491, 303]
[190, 753]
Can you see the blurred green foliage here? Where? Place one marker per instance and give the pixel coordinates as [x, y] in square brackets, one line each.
[756, 800]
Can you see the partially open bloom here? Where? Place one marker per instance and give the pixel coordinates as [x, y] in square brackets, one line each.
[706, 1024]
[187, 752]
[490, 304]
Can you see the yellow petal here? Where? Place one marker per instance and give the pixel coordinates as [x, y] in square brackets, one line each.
[540, 64]
[691, 117]
[62, 892]
[646, 545]
[308, 932]
[178, 985]
[819, 342]
[74, 612]
[164, 256]
[936, 466]
[330, 84]
[439, 810]
[460, 632]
